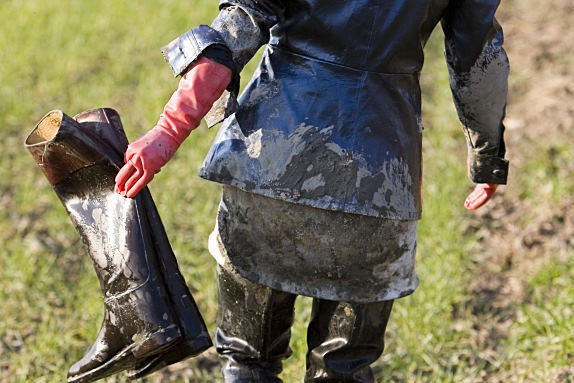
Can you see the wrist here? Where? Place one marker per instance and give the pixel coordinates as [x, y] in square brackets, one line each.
[168, 135]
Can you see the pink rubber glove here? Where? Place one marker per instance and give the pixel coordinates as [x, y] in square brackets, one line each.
[479, 196]
[198, 89]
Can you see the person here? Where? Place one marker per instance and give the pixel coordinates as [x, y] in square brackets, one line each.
[320, 161]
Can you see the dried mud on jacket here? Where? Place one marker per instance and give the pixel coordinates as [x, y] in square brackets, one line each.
[332, 116]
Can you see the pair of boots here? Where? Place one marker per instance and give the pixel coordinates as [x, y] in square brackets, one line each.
[254, 327]
[151, 319]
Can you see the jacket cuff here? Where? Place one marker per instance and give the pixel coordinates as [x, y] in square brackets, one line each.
[488, 169]
[185, 49]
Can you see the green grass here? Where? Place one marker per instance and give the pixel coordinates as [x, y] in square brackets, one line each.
[77, 55]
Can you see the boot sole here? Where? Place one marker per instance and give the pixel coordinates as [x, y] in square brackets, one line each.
[187, 349]
[156, 343]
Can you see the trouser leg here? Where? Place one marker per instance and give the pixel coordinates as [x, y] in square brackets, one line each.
[254, 328]
[344, 339]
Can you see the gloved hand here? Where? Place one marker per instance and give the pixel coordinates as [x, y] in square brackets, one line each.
[198, 89]
[479, 196]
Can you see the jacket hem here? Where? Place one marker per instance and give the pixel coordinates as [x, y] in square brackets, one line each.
[326, 204]
[341, 294]
[338, 295]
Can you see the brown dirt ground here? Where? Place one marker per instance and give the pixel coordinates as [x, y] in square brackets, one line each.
[518, 235]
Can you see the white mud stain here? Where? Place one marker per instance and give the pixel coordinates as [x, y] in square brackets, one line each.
[313, 183]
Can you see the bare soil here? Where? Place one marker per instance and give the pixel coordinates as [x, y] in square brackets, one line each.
[519, 234]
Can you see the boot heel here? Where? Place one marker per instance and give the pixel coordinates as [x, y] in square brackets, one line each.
[157, 342]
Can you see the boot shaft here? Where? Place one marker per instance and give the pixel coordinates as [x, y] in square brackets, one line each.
[59, 147]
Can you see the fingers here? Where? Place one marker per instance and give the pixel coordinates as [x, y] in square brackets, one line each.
[132, 177]
[139, 185]
[123, 175]
[139, 178]
[475, 199]
[479, 196]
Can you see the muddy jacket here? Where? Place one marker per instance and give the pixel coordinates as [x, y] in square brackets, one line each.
[332, 116]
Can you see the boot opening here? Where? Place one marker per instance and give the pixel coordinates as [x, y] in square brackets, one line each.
[46, 129]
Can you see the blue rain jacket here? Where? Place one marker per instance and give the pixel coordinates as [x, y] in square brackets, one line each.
[332, 116]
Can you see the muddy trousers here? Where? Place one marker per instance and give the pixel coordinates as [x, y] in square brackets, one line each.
[254, 327]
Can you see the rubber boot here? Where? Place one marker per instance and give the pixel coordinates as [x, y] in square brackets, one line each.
[344, 339]
[195, 336]
[106, 124]
[254, 328]
[139, 321]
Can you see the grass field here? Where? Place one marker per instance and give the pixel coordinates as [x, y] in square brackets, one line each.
[475, 317]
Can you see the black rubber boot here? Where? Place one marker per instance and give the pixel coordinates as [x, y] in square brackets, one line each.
[195, 337]
[344, 339]
[254, 328]
[81, 161]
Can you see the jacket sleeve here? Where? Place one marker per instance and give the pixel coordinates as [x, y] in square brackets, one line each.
[238, 31]
[244, 25]
[478, 70]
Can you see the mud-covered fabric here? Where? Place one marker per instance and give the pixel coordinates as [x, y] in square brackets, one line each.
[332, 116]
[478, 68]
[254, 328]
[314, 252]
[183, 51]
[245, 24]
[284, 141]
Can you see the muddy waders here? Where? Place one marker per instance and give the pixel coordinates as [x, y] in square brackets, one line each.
[254, 327]
[150, 319]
